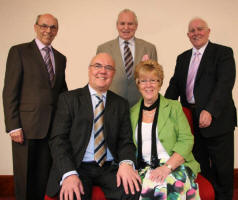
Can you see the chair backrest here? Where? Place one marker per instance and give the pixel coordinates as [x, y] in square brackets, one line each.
[188, 114]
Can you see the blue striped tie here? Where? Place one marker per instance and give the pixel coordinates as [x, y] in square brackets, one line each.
[99, 141]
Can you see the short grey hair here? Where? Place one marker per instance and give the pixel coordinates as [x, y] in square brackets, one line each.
[126, 10]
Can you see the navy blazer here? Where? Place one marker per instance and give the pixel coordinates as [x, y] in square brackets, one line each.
[212, 88]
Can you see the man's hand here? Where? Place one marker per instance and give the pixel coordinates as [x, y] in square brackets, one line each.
[205, 119]
[128, 176]
[17, 136]
[70, 186]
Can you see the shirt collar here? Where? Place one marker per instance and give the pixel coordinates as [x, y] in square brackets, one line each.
[130, 41]
[201, 50]
[94, 92]
[41, 45]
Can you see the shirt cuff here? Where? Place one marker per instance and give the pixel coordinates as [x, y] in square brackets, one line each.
[12, 131]
[68, 174]
[130, 162]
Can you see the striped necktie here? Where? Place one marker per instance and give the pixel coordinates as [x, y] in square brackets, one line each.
[128, 60]
[99, 141]
[49, 65]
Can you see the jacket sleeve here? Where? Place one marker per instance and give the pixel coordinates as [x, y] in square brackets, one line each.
[12, 90]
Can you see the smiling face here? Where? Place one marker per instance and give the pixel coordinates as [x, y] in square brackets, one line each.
[149, 87]
[126, 25]
[100, 77]
[46, 28]
[198, 33]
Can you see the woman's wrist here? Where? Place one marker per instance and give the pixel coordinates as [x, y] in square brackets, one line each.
[168, 166]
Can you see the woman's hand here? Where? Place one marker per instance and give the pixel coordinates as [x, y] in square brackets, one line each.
[159, 174]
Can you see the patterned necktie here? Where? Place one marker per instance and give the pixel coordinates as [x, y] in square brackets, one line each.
[49, 65]
[99, 141]
[192, 75]
[128, 60]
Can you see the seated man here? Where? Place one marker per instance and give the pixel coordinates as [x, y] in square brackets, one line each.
[91, 136]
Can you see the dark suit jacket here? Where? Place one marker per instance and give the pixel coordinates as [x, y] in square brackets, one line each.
[121, 84]
[72, 128]
[28, 98]
[212, 89]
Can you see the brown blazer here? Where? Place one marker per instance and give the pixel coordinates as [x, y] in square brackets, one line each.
[28, 98]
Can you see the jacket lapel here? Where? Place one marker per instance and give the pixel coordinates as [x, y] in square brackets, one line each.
[164, 111]
[39, 59]
[116, 51]
[203, 64]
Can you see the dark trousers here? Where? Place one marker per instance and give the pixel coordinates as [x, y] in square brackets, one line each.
[105, 177]
[31, 165]
[216, 158]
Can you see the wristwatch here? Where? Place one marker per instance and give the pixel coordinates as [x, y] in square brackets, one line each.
[169, 166]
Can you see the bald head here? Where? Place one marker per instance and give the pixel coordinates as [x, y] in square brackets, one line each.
[46, 28]
[101, 72]
[198, 32]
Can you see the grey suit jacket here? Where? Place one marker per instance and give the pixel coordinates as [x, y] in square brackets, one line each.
[28, 98]
[121, 85]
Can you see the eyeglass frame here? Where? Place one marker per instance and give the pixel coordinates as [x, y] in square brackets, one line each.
[98, 66]
[44, 27]
[151, 81]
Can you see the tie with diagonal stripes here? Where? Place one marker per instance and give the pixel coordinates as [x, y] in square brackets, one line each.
[128, 60]
[99, 141]
[49, 65]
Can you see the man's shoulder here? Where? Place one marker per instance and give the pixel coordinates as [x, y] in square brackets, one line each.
[22, 45]
[143, 42]
[58, 53]
[108, 43]
[219, 47]
[115, 97]
[185, 53]
[74, 93]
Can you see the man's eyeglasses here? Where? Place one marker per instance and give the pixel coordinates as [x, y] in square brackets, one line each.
[44, 27]
[151, 81]
[106, 67]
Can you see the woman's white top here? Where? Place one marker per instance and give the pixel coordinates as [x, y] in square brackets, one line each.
[146, 129]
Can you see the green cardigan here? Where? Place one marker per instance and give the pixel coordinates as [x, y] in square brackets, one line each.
[173, 130]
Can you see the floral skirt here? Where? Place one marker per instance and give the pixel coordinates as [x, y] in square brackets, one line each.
[179, 185]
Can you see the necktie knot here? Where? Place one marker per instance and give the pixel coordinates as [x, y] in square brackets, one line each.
[126, 43]
[46, 49]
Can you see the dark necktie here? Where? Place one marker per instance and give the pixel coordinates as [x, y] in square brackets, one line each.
[99, 141]
[49, 65]
[128, 60]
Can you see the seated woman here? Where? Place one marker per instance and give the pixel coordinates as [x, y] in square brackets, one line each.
[164, 140]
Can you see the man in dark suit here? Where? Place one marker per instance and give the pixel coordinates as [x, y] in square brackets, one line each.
[75, 166]
[208, 93]
[123, 82]
[33, 80]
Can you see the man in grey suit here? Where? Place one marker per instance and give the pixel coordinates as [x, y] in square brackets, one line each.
[123, 82]
[35, 75]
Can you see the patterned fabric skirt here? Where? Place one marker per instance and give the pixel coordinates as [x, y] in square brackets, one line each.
[179, 185]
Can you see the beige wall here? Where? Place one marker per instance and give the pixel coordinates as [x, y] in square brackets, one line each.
[86, 23]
